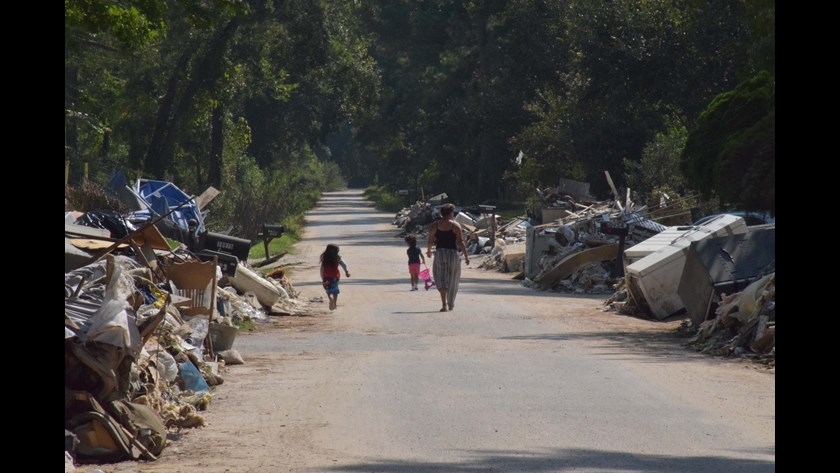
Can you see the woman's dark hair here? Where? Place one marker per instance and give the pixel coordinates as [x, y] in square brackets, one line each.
[446, 210]
[411, 240]
[330, 255]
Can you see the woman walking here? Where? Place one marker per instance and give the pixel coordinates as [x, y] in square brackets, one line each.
[447, 237]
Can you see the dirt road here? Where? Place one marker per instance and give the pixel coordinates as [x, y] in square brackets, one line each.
[512, 380]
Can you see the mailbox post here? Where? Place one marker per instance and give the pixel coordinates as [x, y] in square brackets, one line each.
[619, 228]
[270, 232]
[491, 210]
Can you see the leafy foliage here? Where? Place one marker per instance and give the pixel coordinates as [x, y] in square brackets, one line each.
[384, 199]
[274, 102]
[659, 169]
[732, 151]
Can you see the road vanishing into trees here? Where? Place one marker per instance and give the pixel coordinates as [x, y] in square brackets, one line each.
[511, 380]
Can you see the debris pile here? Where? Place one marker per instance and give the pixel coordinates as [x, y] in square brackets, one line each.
[416, 218]
[590, 237]
[745, 323]
[691, 269]
[129, 356]
[578, 245]
[593, 278]
[149, 330]
[620, 301]
[477, 226]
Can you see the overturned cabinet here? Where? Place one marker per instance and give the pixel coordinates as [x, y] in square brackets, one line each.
[653, 280]
[725, 265]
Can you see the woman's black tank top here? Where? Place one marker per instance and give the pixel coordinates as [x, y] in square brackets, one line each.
[445, 239]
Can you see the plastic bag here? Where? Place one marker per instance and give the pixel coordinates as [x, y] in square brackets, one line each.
[192, 378]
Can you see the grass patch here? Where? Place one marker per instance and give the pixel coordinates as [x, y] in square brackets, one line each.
[383, 199]
[284, 244]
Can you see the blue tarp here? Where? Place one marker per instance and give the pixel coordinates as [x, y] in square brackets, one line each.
[162, 196]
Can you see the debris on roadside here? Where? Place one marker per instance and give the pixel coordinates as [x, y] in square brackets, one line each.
[745, 323]
[415, 219]
[149, 330]
[581, 246]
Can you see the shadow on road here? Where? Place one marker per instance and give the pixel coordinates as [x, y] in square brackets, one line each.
[515, 288]
[418, 312]
[365, 220]
[570, 460]
[352, 202]
[656, 346]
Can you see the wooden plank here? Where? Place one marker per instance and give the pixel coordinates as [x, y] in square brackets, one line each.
[206, 197]
[151, 236]
[568, 265]
[612, 186]
[90, 244]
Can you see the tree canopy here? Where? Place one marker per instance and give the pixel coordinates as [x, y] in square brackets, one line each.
[731, 153]
[439, 95]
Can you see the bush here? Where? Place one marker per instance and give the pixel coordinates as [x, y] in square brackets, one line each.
[333, 179]
[252, 196]
[92, 196]
[384, 199]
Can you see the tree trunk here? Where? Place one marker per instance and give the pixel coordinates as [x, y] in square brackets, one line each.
[206, 73]
[71, 132]
[154, 156]
[105, 148]
[136, 146]
[484, 152]
[217, 122]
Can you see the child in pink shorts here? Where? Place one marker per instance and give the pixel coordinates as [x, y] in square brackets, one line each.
[415, 257]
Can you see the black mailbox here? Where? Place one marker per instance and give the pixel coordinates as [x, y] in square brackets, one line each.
[615, 227]
[227, 244]
[272, 231]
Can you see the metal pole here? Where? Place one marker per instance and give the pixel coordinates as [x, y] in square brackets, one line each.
[618, 272]
[492, 229]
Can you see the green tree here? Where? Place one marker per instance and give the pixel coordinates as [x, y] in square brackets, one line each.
[659, 168]
[731, 152]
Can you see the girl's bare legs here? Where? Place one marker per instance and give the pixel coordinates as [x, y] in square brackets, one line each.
[443, 293]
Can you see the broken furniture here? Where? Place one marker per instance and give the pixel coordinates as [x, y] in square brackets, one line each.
[195, 281]
[725, 265]
[653, 280]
